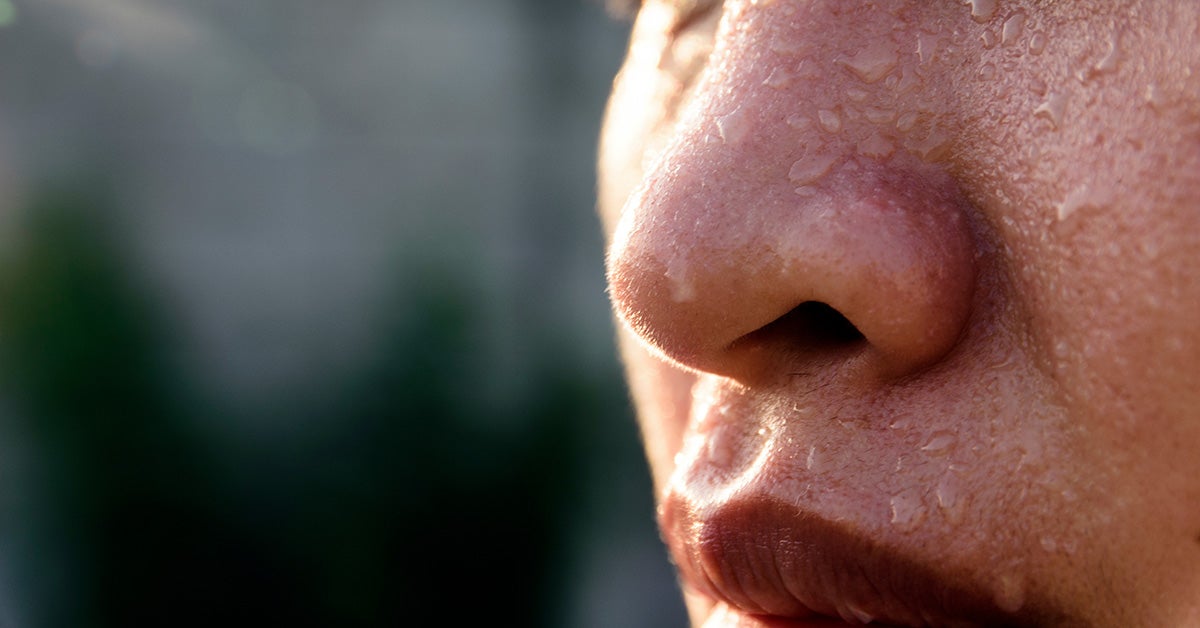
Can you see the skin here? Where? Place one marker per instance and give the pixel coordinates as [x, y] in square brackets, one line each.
[1006, 207]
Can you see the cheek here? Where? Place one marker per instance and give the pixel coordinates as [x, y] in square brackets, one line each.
[1084, 162]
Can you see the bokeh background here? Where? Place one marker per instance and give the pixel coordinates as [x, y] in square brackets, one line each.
[302, 319]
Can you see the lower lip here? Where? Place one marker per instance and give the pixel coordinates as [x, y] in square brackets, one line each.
[725, 617]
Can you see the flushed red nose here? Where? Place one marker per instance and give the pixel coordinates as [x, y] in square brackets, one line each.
[723, 265]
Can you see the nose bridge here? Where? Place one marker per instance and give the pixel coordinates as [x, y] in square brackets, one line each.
[773, 194]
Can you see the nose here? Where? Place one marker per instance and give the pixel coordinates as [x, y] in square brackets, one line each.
[755, 250]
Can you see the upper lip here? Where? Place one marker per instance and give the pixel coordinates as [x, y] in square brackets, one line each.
[763, 551]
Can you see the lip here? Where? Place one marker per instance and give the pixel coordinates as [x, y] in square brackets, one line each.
[725, 616]
[768, 563]
[770, 555]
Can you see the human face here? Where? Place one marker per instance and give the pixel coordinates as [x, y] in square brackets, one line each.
[909, 303]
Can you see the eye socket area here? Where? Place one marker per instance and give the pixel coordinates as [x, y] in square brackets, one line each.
[686, 11]
[690, 36]
[689, 13]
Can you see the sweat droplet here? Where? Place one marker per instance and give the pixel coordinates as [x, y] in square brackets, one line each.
[926, 46]
[1053, 108]
[908, 82]
[810, 168]
[830, 120]
[682, 288]
[778, 79]
[720, 446]
[950, 498]
[1076, 199]
[1083, 196]
[1154, 96]
[1012, 29]
[859, 615]
[1037, 43]
[872, 64]
[879, 116]
[1112, 60]
[988, 38]
[876, 146]
[797, 121]
[907, 511]
[982, 10]
[935, 147]
[733, 126]
[939, 443]
[1010, 593]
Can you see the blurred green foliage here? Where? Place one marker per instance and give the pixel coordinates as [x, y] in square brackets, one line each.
[404, 494]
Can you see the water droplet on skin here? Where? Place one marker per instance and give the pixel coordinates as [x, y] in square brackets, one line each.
[1154, 96]
[810, 168]
[1038, 87]
[682, 289]
[778, 79]
[879, 116]
[988, 38]
[1085, 195]
[982, 10]
[811, 460]
[1037, 43]
[830, 120]
[907, 511]
[1075, 199]
[1010, 593]
[1012, 29]
[872, 64]
[987, 72]
[856, 615]
[856, 94]
[939, 442]
[1112, 60]
[733, 126]
[1053, 108]
[950, 498]
[876, 146]
[906, 122]
[799, 122]
[908, 82]
[785, 45]
[935, 147]
[720, 445]
[927, 45]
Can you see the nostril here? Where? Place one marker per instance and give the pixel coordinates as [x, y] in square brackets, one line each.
[825, 324]
[809, 328]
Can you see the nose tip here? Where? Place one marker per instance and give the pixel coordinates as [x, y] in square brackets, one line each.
[751, 279]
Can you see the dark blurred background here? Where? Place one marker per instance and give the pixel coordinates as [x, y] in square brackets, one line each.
[302, 319]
